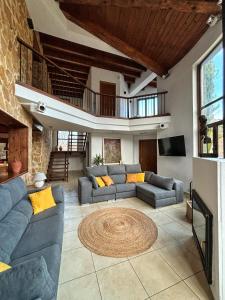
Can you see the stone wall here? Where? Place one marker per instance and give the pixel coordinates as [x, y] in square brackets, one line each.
[42, 146]
[13, 16]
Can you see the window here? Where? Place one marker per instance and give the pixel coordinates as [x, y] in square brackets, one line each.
[211, 101]
[147, 107]
[67, 138]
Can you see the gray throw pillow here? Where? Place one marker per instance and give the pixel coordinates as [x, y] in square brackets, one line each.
[162, 182]
[27, 280]
[148, 175]
[94, 182]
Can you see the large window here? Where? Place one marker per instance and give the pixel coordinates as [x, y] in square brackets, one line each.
[211, 116]
[147, 106]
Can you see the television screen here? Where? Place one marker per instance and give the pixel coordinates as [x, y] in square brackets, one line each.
[172, 146]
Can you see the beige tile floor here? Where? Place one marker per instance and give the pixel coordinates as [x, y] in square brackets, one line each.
[171, 269]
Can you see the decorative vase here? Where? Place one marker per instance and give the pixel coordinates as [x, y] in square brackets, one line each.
[16, 166]
[60, 148]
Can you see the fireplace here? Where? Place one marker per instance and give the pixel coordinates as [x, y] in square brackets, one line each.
[202, 222]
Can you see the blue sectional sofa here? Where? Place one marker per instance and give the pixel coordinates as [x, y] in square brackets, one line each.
[157, 190]
[30, 244]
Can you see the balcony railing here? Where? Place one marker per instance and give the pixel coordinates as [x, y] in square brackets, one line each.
[42, 73]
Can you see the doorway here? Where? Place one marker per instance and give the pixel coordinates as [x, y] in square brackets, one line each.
[148, 155]
[107, 99]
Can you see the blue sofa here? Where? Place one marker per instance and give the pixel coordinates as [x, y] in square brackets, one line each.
[30, 244]
[157, 190]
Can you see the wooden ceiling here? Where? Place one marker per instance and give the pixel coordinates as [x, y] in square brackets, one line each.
[77, 59]
[155, 33]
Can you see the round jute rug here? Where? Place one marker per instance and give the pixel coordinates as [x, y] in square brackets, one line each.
[117, 232]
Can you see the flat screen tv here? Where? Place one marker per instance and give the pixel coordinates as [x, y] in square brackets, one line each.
[172, 146]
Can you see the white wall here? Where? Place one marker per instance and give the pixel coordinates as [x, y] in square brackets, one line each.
[208, 181]
[76, 163]
[96, 145]
[48, 18]
[179, 102]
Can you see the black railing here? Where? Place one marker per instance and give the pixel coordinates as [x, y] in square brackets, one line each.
[44, 74]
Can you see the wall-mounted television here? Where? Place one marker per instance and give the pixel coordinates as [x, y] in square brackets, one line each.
[172, 146]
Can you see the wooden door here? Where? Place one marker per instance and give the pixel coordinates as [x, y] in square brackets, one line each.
[108, 100]
[148, 155]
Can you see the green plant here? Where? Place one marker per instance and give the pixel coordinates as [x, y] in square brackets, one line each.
[98, 160]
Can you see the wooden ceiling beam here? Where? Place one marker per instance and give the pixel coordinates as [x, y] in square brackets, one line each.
[61, 77]
[114, 41]
[65, 89]
[68, 67]
[129, 79]
[84, 51]
[74, 74]
[186, 6]
[67, 94]
[70, 61]
[67, 83]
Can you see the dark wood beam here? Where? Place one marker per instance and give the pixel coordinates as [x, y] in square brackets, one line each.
[186, 6]
[61, 77]
[74, 74]
[84, 51]
[70, 83]
[69, 67]
[77, 68]
[114, 41]
[70, 61]
[66, 90]
[67, 94]
[63, 85]
[129, 79]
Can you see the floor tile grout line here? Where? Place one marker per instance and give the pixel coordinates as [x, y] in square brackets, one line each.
[139, 279]
[191, 289]
[96, 275]
[75, 278]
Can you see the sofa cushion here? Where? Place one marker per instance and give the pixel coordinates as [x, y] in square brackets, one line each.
[119, 178]
[40, 234]
[58, 209]
[136, 168]
[97, 171]
[5, 203]
[24, 207]
[106, 190]
[116, 169]
[94, 181]
[154, 192]
[148, 175]
[12, 228]
[28, 280]
[17, 189]
[162, 182]
[125, 187]
[52, 256]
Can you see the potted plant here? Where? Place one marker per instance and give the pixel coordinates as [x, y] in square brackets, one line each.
[98, 160]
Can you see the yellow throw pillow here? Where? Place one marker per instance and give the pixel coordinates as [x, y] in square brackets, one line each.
[100, 182]
[131, 178]
[140, 177]
[42, 200]
[107, 180]
[4, 267]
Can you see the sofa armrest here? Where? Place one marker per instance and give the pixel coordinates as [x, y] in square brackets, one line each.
[179, 189]
[84, 190]
[58, 193]
[27, 280]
